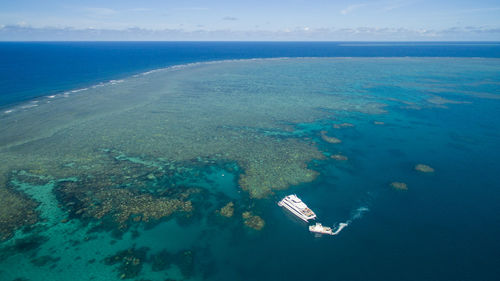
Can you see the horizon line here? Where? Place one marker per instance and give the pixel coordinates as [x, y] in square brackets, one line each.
[259, 41]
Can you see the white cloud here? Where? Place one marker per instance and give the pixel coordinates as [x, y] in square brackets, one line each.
[392, 5]
[470, 33]
[351, 8]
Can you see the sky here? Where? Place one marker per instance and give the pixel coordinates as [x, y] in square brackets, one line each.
[315, 20]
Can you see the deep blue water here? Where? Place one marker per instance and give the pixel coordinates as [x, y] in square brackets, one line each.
[32, 69]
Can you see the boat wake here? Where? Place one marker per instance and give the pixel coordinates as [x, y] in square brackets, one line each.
[356, 214]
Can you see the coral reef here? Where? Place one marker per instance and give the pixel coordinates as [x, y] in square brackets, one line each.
[276, 166]
[253, 221]
[227, 211]
[16, 210]
[440, 101]
[27, 245]
[339, 157]
[183, 259]
[126, 191]
[399, 185]
[84, 200]
[161, 261]
[424, 168]
[30, 178]
[329, 139]
[342, 125]
[174, 128]
[130, 262]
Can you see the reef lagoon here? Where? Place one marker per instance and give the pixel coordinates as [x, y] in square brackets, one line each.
[174, 174]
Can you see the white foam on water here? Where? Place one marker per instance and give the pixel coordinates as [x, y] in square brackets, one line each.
[46, 99]
[113, 82]
[356, 214]
[79, 90]
[339, 228]
[97, 85]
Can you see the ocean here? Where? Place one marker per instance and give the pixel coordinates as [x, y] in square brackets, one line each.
[166, 160]
[33, 69]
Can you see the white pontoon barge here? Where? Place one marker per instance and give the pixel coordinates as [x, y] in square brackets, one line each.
[319, 228]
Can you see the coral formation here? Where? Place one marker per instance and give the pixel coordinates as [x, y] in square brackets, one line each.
[329, 139]
[276, 166]
[126, 191]
[399, 185]
[253, 221]
[129, 260]
[227, 211]
[29, 245]
[342, 125]
[161, 261]
[440, 101]
[16, 210]
[84, 200]
[339, 157]
[424, 168]
[183, 259]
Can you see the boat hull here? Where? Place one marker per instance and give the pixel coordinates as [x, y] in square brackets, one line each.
[287, 205]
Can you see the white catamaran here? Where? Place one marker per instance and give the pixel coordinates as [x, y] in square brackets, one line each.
[297, 207]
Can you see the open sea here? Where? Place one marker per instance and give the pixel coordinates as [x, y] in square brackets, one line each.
[165, 160]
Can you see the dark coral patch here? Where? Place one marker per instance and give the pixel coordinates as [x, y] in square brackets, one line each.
[130, 262]
[16, 210]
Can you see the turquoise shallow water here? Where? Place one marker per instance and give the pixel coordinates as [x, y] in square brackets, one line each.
[241, 132]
